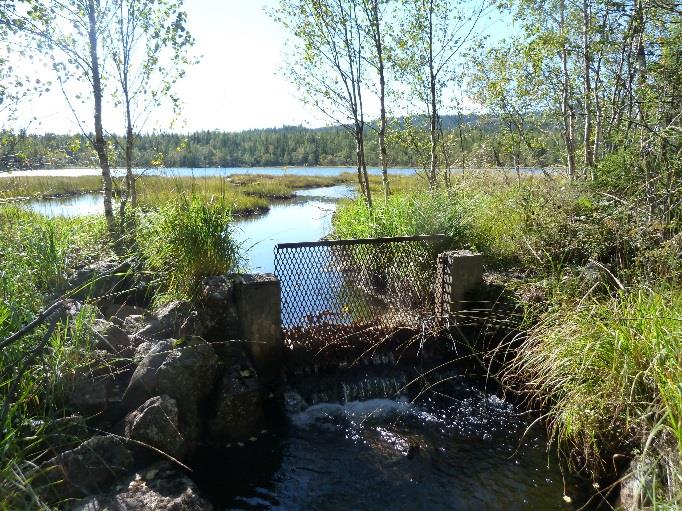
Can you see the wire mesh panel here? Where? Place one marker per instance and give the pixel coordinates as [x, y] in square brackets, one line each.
[333, 288]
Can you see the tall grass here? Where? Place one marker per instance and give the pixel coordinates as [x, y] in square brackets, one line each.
[609, 373]
[35, 257]
[483, 215]
[182, 242]
[41, 186]
[606, 369]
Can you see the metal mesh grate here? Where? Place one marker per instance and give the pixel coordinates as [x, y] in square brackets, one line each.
[354, 284]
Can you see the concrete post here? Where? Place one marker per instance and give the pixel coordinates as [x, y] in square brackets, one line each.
[259, 310]
[457, 273]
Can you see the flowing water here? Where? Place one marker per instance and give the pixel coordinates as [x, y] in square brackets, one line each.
[470, 450]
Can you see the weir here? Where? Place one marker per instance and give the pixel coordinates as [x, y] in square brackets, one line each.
[357, 308]
[376, 416]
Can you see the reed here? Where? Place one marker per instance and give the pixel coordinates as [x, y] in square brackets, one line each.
[184, 241]
[36, 255]
[245, 192]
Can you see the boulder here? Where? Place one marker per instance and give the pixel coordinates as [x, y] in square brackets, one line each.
[117, 313]
[135, 322]
[89, 468]
[142, 350]
[159, 487]
[185, 372]
[175, 320]
[239, 407]
[155, 423]
[102, 280]
[112, 338]
[90, 395]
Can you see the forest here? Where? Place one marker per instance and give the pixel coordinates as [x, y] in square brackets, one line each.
[479, 147]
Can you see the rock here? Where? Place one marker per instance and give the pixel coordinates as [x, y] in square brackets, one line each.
[186, 373]
[239, 408]
[155, 423]
[101, 280]
[142, 385]
[89, 468]
[159, 487]
[117, 313]
[92, 395]
[111, 337]
[135, 322]
[142, 351]
[171, 321]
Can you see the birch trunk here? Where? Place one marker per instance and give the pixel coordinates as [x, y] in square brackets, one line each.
[99, 142]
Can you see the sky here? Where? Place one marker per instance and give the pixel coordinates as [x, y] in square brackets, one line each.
[237, 85]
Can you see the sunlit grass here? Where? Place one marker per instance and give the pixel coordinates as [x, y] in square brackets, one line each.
[244, 193]
[184, 241]
[608, 372]
[35, 256]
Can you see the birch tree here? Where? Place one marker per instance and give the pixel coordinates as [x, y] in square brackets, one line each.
[148, 43]
[328, 65]
[70, 33]
[375, 11]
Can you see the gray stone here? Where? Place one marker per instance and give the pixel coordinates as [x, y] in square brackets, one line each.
[155, 423]
[158, 487]
[174, 320]
[117, 313]
[142, 350]
[89, 468]
[135, 322]
[239, 408]
[186, 373]
[91, 395]
[102, 279]
[111, 337]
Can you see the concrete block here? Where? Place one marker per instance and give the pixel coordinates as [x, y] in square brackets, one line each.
[458, 273]
[259, 308]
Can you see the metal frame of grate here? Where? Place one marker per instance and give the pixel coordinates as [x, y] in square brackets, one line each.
[383, 281]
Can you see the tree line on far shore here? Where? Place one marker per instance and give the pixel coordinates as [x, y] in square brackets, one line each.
[475, 143]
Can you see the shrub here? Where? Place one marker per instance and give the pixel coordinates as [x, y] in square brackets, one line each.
[185, 241]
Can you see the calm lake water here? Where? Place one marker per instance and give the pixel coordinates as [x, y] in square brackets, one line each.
[307, 217]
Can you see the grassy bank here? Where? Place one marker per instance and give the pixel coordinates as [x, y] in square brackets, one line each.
[599, 284]
[244, 192]
[174, 247]
[35, 257]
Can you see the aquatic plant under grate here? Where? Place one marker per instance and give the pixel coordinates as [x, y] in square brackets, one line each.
[345, 290]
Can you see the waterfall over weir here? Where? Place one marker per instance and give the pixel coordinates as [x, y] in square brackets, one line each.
[376, 413]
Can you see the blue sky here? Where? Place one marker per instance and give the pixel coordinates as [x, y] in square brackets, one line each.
[236, 85]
